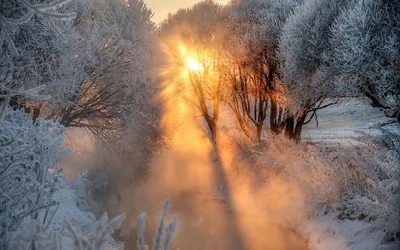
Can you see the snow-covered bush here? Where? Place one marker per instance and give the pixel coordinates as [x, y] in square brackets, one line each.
[27, 151]
[98, 239]
[31, 236]
[369, 175]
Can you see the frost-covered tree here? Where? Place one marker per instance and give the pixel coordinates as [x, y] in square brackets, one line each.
[190, 36]
[248, 96]
[254, 27]
[90, 70]
[303, 43]
[115, 51]
[343, 48]
[365, 53]
[36, 40]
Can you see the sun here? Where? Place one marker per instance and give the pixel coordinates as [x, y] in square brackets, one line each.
[193, 65]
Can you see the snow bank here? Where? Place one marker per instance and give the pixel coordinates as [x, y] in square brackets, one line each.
[74, 208]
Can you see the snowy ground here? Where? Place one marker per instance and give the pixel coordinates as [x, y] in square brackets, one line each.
[342, 122]
[356, 234]
[337, 124]
[346, 234]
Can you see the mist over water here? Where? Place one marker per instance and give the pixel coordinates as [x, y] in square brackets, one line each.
[204, 191]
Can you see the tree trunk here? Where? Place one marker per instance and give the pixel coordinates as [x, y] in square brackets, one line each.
[275, 127]
[298, 128]
[35, 113]
[375, 102]
[212, 125]
[259, 132]
[289, 127]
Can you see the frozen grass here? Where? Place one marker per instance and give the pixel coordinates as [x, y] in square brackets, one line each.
[357, 182]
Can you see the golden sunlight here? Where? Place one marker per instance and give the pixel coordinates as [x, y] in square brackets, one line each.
[193, 65]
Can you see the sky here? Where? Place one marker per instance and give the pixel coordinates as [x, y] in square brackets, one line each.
[161, 8]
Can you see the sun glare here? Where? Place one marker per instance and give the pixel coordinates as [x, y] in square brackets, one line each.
[193, 65]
